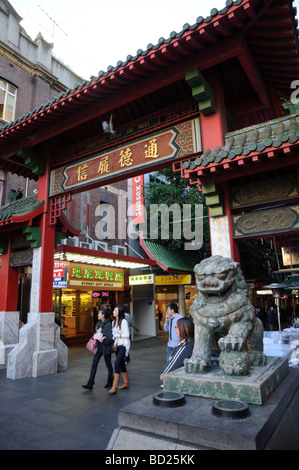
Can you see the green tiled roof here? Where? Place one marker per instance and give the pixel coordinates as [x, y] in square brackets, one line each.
[179, 260]
[257, 138]
[20, 206]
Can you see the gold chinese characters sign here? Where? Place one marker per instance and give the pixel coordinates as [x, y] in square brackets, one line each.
[86, 275]
[170, 280]
[170, 144]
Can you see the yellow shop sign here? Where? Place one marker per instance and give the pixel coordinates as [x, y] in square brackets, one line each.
[179, 279]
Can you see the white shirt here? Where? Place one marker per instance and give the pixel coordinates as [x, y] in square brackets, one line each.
[121, 336]
[170, 327]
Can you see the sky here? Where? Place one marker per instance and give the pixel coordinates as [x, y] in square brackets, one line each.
[90, 35]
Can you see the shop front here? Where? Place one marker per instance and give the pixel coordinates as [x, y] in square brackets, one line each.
[174, 288]
[152, 293]
[79, 290]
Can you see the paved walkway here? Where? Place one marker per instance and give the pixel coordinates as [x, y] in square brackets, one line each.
[56, 413]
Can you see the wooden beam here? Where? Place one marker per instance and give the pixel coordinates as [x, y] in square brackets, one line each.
[253, 74]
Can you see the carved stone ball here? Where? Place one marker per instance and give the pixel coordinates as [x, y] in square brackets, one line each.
[235, 362]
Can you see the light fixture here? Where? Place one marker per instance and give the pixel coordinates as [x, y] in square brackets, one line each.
[277, 292]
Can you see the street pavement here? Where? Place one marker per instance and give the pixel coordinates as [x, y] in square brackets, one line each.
[56, 413]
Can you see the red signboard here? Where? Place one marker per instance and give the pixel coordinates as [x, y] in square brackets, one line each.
[141, 155]
[138, 200]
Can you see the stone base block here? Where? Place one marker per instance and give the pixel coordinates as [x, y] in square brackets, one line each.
[44, 363]
[19, 360]
[5, 349]
[40, 350]
[62, 351]
[9, 327]
[253, 388]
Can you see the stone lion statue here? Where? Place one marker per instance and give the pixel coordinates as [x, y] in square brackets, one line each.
[224, 320]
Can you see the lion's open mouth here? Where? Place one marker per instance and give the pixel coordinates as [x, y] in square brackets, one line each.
[214, 290]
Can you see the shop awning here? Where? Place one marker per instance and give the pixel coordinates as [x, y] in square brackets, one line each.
[171, 260]
[103, 258]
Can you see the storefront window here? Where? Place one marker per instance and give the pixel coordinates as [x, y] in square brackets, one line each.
[190, 294]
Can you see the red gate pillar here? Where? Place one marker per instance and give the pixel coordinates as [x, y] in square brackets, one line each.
[9, 278]
[40, 350]
[213, 126]
[47, 244]
[9, 316]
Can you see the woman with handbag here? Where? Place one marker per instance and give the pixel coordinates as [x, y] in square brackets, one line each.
[121, 337]
[103, 336]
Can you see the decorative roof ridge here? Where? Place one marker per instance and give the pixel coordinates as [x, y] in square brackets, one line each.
[284, 118]
[201, 22]
[256, 138]
[20, 206]
[173, 35]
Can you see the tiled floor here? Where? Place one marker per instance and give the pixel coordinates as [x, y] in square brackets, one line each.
[55, 412]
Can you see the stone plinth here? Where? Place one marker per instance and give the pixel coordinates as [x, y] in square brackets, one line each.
[39, 351]
[143, 425]
[253, 388]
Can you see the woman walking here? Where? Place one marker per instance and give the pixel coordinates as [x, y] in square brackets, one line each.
[104, 330]
[121, 337]
[185, 332]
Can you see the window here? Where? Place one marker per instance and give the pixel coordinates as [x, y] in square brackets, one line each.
[8, 94]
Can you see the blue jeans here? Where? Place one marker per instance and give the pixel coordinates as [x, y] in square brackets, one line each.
[95, 362]
[119, 365]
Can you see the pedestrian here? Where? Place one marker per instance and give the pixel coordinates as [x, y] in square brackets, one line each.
[103, 331]
[185, 333]
[260, 313]
[121, 337]
[131, 324]
[272, 318]
[172, 316]
[160, 319]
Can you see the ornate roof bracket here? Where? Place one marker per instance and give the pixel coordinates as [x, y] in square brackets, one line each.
[201, 91]
[33, 234]
[34, 160]
[214, 200]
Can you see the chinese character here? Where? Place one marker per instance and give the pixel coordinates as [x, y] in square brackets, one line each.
[100, 274]
[152, 149]
[109, 275]
[82, 172]
[118, 276]
[88, 274]
[125, 158]
[104, 165]
[77, 272]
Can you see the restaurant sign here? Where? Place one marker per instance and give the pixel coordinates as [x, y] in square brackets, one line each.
[178, 141]
[86, 275]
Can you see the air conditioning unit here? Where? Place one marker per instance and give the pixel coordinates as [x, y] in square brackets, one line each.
[71, 241]
[100, 246]
[120, 250]
[85, 245]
